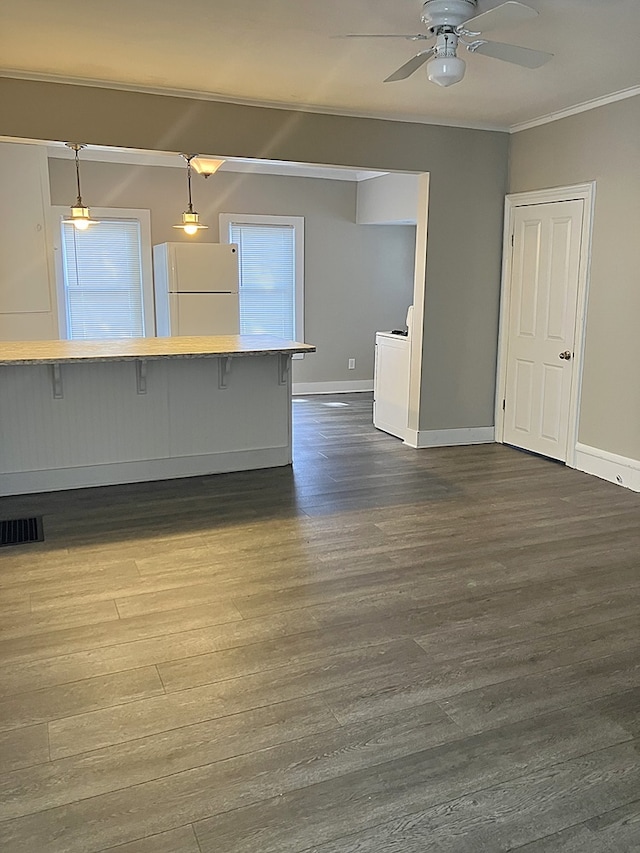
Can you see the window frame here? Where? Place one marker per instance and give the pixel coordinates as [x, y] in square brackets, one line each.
[143, 217]
[297, 223]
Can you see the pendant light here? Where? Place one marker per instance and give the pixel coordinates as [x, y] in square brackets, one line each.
[190, 219]
[80, 215]
[206, 166]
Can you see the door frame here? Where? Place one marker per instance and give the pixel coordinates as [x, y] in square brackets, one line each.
[586, 192]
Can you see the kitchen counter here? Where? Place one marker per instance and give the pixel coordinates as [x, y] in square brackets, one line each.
[128, 349]
[90, 413]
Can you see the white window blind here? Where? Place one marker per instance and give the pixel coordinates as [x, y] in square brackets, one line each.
[267, 257]
[102, 272]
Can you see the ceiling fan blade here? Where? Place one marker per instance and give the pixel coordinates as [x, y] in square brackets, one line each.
[511, 53]
[409, 37]
[411, 66]
[508, 13]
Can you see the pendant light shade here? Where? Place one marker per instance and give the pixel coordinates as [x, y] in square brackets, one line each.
[206, 166]
[190, 219]
[80, 214]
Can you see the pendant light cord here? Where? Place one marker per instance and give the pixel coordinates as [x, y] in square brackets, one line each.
[79, 201]
[188, 159]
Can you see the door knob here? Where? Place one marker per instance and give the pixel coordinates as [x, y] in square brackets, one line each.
[566, 355]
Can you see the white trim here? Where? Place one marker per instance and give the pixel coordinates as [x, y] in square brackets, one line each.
[137, 157]
[348, 386]
[586, 192]
[621, 470]
[48, 231]
[404, 118]
[143, 217]
[449, 437]
[395, 430]
[52, 480]
[416, 332]
[584, 107]
[548, 195]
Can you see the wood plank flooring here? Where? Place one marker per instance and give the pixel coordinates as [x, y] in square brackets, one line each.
[381, 650]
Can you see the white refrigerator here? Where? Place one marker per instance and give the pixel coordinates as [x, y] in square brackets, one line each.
[196, 289]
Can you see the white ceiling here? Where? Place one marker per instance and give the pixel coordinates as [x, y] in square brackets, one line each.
[282, 52]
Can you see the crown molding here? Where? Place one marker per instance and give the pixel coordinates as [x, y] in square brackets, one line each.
[584, 107]
[193, 94]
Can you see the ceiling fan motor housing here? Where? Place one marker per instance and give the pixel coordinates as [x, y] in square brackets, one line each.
[447, 13]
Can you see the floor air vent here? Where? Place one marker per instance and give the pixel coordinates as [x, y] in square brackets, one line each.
[18, 531]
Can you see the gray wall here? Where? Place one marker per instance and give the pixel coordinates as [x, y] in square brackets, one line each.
[468, 180]
[601, 145]
[358, 279]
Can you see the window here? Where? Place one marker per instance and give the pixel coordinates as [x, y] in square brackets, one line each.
[104, 277]
[271, 258]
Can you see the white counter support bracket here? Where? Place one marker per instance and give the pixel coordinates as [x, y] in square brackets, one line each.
[141, 376]
[224, 368]
[284, 363]
[56, 380]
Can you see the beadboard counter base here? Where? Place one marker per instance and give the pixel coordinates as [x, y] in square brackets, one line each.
[131, 413]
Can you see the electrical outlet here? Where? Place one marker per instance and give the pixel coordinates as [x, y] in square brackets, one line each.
[352, 364]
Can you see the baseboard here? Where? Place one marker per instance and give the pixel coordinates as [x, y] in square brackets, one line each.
[56, 479]
[345, 387]
[392, 429]
[450, 437]
[621, 470]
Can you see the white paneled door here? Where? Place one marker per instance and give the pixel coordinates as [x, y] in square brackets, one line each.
[545, 272]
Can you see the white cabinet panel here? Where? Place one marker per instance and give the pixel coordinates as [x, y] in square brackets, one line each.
[24, 261]
[28, 327]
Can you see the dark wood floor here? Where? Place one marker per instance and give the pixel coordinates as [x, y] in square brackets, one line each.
[384, 650]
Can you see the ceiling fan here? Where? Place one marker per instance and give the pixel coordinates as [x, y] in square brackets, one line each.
[449, 23]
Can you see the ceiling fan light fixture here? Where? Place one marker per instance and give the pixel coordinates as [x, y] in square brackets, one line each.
[448, 22]
[446, 70]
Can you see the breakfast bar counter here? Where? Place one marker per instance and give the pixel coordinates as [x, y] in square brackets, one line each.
[88, 413]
